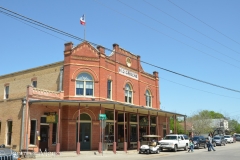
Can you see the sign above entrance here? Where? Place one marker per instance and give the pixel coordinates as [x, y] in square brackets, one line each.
[128, 73]
[52, 119]
[102, 117]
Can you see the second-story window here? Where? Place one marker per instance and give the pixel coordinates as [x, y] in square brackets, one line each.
[34, 84]
[109, 89]
[128, 93]
[148, 99]
[6, 92]
[84, 85]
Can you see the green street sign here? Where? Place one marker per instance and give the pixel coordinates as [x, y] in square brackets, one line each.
[102, 117]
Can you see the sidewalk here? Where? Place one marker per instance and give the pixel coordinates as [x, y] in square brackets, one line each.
[83, 154]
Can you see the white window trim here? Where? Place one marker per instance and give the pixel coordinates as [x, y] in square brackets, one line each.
[84, 88]
[110, 89]
[4, 95]
[131, 89]
[150, 95]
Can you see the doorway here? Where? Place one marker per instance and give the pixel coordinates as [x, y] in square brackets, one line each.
[43, 143]
[85, 132]
[85, 136]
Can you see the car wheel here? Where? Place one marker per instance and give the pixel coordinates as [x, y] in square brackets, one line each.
[205, 146]
[139, 152]
[147, 151]
[175, 148]
[224, 144]
[186, 147]
[158, 151]
[198, 146]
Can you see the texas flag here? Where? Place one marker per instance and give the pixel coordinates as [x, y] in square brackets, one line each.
[82, 20]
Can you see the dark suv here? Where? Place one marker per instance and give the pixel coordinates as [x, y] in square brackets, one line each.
[219, 140]
[199, 141]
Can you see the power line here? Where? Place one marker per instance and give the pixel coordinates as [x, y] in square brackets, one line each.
[167, 35]
[177, 31]
[203, 22]
[198, 89]
[80, 39]
[16, 18]
[191, 27]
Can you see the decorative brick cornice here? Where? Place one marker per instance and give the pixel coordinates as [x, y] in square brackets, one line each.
[84, 58]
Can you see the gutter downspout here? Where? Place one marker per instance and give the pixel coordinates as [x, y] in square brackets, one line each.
[22, 123]
[61, 79]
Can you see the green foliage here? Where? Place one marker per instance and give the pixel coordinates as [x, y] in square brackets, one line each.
[180, 128]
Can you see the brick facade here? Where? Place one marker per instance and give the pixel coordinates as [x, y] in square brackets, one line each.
[49, 98]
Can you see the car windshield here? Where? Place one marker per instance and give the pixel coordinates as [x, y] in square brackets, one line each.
[170, 137]
[195, 138]
[216, 137]
[226, 136]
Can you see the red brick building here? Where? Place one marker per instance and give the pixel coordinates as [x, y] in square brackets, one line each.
[63, 114]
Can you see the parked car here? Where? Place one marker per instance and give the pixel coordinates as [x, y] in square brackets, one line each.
[228, 138]
[199, 141]
[219, 140]
[237, 137]
[6, 153]
[174, 142]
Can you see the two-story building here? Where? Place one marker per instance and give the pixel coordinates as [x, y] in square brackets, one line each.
[80, 103]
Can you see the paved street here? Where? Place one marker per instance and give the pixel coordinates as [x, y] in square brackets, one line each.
[230, 151]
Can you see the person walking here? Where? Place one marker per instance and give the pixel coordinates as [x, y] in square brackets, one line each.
[210, 146]
[190, 146]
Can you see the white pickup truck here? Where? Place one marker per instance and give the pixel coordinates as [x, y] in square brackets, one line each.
[174, 142]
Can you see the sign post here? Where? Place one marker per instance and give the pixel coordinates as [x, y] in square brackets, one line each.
[102, 118]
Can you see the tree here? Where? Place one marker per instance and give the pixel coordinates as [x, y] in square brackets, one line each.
[180, 129]
[201, 121]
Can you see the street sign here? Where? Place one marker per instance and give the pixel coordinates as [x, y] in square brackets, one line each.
[102, 117]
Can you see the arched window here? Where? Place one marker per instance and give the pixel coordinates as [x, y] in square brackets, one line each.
[128, 93]
[84, 85]
[148, 99]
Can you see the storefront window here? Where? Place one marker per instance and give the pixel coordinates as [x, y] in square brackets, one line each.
[133, 118]
[33, 132]
[133, 134]
[109, 114]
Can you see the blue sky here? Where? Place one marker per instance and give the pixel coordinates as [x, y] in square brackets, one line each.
[199, 39]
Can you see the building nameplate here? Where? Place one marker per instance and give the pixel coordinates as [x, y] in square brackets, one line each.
[128, 73]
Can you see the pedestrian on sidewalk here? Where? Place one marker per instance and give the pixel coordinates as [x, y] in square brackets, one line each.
[190, 146]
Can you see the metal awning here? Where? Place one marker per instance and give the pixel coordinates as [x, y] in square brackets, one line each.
[106, 104]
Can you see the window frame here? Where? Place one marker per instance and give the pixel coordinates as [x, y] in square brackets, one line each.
[34, 83]
[34, 132]
[148, 98]
[129, 91]
[6, 91]
[9, 132]
[109, 89]
[84, 85]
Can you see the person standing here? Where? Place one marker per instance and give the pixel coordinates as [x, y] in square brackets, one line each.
[210, 146]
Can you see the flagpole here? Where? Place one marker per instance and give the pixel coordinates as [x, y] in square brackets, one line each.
[84, 33]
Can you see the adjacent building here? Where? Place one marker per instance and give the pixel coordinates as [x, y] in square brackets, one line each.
[80, 103]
